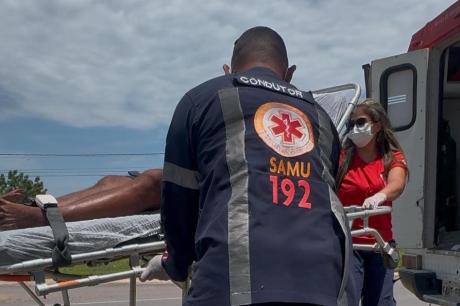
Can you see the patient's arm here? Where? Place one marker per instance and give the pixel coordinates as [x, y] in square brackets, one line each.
[111, 197]
[13, 195]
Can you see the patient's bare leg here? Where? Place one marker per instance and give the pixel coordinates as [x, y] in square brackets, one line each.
[104, 184]
[131, 197]
[119, 198]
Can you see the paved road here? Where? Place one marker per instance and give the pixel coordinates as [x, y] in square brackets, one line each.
[116, 294]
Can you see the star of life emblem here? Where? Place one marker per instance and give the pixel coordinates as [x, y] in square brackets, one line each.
[284, 128]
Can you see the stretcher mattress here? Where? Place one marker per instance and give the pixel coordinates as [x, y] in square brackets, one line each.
[84, 236]
[334, 104]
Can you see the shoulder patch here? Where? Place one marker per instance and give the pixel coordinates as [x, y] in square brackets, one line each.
[273, 86]
[284, 128]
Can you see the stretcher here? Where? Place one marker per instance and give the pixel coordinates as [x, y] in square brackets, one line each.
[46, 278]
[40, 271]
[389, 252]
[92, 242]
[340, 109]
[337, 104]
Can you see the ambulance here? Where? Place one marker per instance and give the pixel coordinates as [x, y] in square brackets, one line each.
[421, 91]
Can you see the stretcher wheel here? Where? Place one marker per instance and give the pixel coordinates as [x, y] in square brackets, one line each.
[389, 263]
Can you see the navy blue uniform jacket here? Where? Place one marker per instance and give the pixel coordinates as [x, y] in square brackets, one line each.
[247, 195]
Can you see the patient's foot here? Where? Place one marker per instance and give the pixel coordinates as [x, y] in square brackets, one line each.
[15, 216]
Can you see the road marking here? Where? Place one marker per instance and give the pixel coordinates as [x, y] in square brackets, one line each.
[127, 301]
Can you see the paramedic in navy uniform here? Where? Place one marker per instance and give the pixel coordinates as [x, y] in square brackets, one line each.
[247, 194]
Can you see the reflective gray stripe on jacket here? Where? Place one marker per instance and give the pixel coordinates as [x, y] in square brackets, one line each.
[180, 176]
[238, 216]
[325, 141]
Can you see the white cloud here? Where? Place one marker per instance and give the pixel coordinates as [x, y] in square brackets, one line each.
[127, 63]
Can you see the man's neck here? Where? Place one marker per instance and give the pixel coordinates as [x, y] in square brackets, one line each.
[253, 65]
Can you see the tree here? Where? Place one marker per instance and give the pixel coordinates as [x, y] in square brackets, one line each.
[18, 180]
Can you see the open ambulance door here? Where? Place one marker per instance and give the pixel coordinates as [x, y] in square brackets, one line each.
[400, 84]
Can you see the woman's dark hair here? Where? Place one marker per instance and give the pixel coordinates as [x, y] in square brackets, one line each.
[386, 139]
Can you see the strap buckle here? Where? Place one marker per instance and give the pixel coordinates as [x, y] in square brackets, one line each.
[45, 201]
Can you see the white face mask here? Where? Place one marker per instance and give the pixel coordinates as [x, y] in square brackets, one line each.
[361, 136]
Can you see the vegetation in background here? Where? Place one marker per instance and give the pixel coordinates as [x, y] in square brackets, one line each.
[17, 180]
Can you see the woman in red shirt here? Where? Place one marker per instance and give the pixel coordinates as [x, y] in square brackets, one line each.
[373, 172]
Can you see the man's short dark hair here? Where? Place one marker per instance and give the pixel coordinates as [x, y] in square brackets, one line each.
[260, 44]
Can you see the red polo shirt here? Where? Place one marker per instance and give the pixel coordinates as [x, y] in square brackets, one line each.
[362, 181]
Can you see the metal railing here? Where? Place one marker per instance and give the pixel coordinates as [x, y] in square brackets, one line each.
[391, 255]
[341, 127]
[38, 269]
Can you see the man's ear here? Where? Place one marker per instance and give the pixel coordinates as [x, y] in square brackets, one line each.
[289, 73]
[226, 69]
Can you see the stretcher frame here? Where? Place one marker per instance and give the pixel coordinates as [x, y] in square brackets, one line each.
[39, 270]
[389, 252]
[341, 127]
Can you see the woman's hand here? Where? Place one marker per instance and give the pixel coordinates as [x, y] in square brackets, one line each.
[374, 201]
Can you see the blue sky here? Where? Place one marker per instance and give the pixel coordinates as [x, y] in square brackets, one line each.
[95, 76]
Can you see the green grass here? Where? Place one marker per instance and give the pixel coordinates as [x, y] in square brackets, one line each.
[99, 269]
